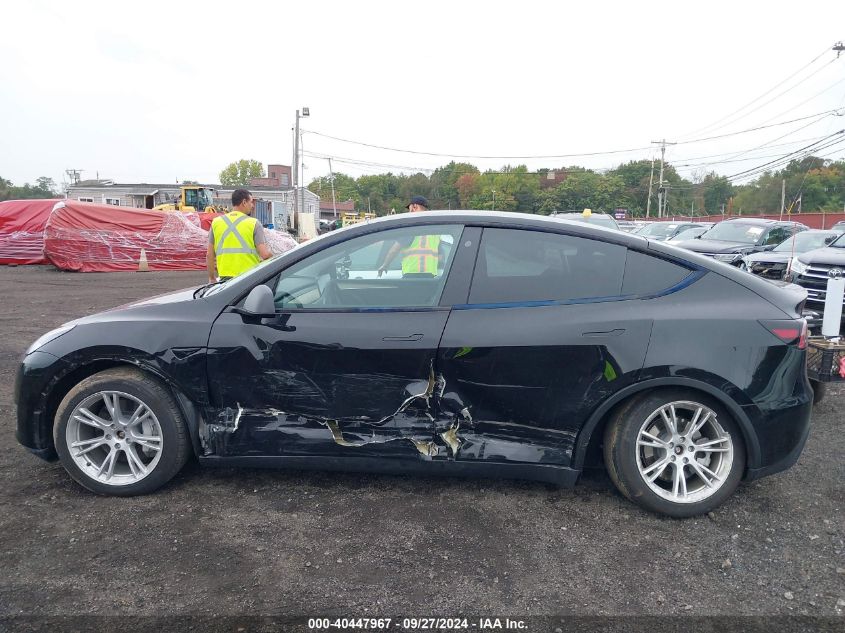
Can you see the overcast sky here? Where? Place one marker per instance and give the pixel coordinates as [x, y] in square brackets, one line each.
[165, 91]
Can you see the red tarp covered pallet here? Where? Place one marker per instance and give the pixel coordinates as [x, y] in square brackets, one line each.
[22, 230]
[88, 237]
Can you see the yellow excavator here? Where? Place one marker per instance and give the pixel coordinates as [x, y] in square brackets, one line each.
[192, 198]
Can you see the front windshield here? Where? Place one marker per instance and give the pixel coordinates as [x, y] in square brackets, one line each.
[803, 242]
[658, 229]
[735, 232]
[839, 242]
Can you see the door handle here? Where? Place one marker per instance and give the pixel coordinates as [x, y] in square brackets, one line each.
[395, 339]
[616, 332]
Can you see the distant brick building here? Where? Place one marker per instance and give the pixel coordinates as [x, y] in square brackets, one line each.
[278, 176]
[327, 208]
[552, 179]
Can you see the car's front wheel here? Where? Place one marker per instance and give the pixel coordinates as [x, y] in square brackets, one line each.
[119, 432]
[674, 452]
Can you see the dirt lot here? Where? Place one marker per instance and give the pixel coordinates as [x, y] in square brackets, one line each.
[250, 543]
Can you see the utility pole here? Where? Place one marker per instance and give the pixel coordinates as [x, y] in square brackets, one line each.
[782, 196]
[494, 199]
[650, 183]
[334, 202]
[296, 168]
[661, 191]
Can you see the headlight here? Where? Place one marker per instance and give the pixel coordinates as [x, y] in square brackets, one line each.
[727, 257]
[49, 336]
[797, 266]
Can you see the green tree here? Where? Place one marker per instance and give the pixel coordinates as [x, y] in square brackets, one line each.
[444, 192]
[345, 188]
[635, 176]
[44, 187]
[717, 190]
[584, 190]
[467, 186]
[238, 173]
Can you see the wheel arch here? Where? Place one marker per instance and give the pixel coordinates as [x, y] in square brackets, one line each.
[61, 385]
[592, 432]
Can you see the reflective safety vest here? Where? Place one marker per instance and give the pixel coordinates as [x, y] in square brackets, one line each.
[234, 243]
[421, 256]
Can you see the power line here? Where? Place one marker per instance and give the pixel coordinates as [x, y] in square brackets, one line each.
[795, 107]
[800, 154]
[756, 99]
[820, 115]
[742, 153]
[803, 140]
[443, 155]
[777, 96]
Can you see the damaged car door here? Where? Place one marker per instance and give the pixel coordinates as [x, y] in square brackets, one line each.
[345, 366]
[545, 337]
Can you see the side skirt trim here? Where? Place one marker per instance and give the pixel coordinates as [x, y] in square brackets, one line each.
[557, 475]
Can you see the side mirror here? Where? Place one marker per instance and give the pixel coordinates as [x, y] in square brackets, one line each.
[259, 302]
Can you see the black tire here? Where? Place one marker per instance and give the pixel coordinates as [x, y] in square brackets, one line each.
[174, 443]
[623, 456]
[819, 391]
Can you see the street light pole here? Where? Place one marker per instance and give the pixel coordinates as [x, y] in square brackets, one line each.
[494, 199]
[296, 163]
[331, 176]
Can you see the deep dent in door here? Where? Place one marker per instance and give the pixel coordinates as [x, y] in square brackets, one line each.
[439, 438]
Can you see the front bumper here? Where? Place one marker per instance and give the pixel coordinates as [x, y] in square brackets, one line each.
[32, 385]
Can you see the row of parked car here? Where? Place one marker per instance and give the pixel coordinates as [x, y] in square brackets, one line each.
[772, 249]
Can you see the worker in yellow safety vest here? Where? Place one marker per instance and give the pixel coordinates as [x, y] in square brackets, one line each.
[236, 240]
[422, 256]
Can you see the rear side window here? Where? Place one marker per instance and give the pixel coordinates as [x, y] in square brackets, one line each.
[647, 275]
[515, 265]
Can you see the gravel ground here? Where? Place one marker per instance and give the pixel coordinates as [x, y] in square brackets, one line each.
[271, 543]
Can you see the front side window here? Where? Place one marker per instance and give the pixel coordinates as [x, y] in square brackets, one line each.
[398, 268]
[776, 235]
[516, 265]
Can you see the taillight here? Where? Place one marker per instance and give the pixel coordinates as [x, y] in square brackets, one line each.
[790, 332]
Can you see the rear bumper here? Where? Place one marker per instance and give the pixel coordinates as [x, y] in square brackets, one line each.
[785, 462]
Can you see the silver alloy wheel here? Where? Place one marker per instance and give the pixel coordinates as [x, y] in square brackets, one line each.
[114, 438]
[683, 454]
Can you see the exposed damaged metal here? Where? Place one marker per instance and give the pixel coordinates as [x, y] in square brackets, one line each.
[413, 422]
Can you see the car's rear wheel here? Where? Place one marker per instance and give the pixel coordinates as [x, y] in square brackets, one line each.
[119, 432]
[674, 452]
